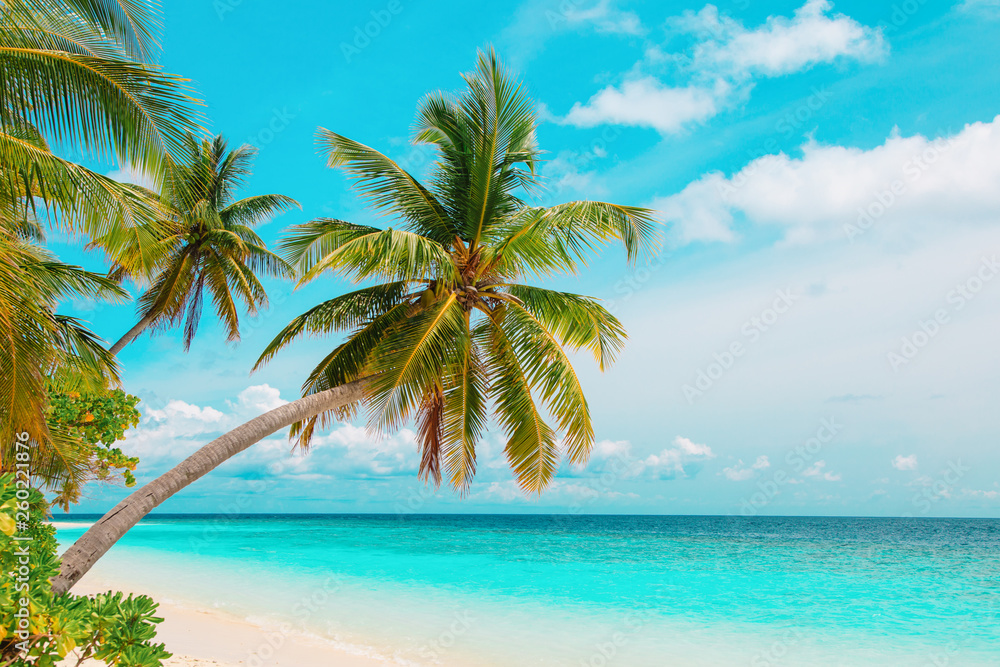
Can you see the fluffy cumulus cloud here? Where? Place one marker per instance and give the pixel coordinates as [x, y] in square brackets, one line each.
[684, 459]
[782, 45]
[645, 102]
[256, 400]
[739, 473]
[838, 192]
[618, 460]
[722, 65]
[177, 429]
[905, 462]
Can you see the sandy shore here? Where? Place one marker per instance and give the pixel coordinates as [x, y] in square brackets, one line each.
[207, 638]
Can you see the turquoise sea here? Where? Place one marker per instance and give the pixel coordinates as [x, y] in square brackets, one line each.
[588, 590]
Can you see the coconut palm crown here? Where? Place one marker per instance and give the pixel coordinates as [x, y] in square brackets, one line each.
[210, 243]
[449, 332]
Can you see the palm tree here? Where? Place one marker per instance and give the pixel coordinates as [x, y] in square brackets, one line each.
[42, 348]
[450, 330]
[209, 243]
[70, 72]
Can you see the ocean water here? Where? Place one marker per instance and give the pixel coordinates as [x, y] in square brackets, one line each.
[592, 591]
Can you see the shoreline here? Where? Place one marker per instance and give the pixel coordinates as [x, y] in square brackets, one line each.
[201, 637]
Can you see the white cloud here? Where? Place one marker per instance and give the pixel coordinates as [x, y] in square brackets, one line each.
[577, 495]
[355, 451]
[618, 460]
[737, 473]
[818, 471]
[185, 419]
[722, 65]
[565, 174]
[681, 460]
[177, 429]
[782, 45]
[905, 462]
[257, 400]
[837, 192]
[645, 103]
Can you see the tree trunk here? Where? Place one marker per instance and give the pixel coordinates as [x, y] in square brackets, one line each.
[93, 544]
[131, 334]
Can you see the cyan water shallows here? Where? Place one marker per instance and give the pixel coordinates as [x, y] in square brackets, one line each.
[590, 590]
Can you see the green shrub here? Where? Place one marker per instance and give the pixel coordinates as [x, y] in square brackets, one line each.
[38, 628]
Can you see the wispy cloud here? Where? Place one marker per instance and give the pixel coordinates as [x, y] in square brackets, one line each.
[905, 462]
[989, 8]
[536, 21]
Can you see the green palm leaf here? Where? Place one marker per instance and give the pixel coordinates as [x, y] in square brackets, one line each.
[449, 334]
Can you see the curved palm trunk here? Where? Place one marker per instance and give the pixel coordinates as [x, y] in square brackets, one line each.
[131, 334]
[93, 544]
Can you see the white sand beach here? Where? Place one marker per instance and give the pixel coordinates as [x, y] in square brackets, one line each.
[205, 638]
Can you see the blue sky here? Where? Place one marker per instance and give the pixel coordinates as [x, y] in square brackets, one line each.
[818, 334]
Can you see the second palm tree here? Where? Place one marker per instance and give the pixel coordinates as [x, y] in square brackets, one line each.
[210, 244]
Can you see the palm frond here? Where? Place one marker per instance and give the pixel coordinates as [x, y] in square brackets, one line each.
[575, 321]
[531, 449]
[388, 186]
[364, 252]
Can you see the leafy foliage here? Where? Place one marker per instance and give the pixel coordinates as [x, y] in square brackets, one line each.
[449, 333]
[41, 348]
[98, 420]
[71, 74]
[209, 244]
[111, 627]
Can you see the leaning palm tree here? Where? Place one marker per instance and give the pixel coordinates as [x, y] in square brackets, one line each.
[209, 244]
[449, 331]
